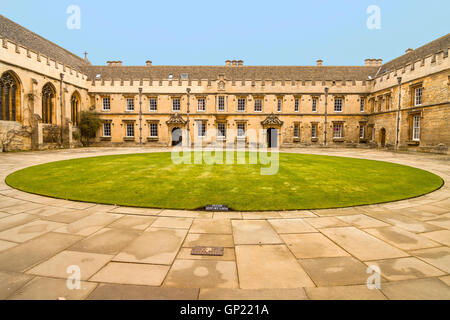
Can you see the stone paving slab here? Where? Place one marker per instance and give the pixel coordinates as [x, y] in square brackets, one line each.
[216, 226]
[16, 220]
[253, 294]
[52, 289]
[361, 244]
[256, 265]
[208, 240]
[202, 274]
[89, 224]
[254, 232]
[402, 239]
[107, 241]
[291, 226]
[156, 246]
[312, 245]
[173, 223]
[133, 222]
[26, 255]
[441, 236]
[339, 271]
[438, 257]
[10, 282]
[405, 269]
[133, 292]
[131, 273]
[29, 230]
[421, 289]
[4, 245]
[362, 221]
[57, 266]
[357, 292]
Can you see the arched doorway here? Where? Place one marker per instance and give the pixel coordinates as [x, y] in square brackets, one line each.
[383, 137]
[272, 138]
[177, 137]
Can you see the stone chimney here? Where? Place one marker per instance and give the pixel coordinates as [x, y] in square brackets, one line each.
[109, 63]
[228, 63]
[409, 50]
[319, 63]
[367, 61]
[234, 63]
[379, 62]
[148, 63]
[119, 63]
[240, 63]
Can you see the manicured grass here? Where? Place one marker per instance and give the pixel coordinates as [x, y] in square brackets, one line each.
[153, 180]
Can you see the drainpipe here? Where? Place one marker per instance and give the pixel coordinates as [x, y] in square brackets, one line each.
[326, 115]
[62, 106]
[188, 90]
[140, 117]
[399, 79]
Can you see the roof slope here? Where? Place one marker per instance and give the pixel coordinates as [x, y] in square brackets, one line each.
[233, 73]
[433, 47]
[18, 34]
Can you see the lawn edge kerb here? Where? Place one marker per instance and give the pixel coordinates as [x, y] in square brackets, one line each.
[442, 183]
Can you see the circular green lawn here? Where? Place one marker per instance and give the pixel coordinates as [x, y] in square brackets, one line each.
[154, 180]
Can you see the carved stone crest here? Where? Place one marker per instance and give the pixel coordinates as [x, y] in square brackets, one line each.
[221, 85]
[176, 119]
[272, 120]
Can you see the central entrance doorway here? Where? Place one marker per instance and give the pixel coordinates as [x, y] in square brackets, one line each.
[177, 137]
[272, 138]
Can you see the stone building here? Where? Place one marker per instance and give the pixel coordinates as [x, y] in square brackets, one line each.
[44, 87]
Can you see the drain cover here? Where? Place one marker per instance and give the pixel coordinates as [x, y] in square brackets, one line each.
[207, 251]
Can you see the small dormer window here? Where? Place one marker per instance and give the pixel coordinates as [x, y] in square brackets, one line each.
[170, 76]
[184, 76]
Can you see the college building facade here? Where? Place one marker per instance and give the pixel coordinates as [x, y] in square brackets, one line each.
[402, 104]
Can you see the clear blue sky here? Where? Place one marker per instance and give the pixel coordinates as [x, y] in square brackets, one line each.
[208, 32]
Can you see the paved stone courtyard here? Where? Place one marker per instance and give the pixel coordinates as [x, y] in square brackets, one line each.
[135, 253]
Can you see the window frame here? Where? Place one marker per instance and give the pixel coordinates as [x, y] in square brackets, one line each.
[415, 134]
[240, 102]
[239, 131]
[150, 104]
[126, 130]
[104, 99]
[151, 126]
[362, 105]
[314, 104]
[260, 107]
[339, 125]
[314, 127]
[128, 100]
[336, 104]
[296, 104]
[418, 98]
[220, 131]
[219, 107]
[104, 129]
[178, 103]
[201, 102]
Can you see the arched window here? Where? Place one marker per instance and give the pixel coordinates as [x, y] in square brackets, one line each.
[10, 97]
[75, 108]
[48, 96]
